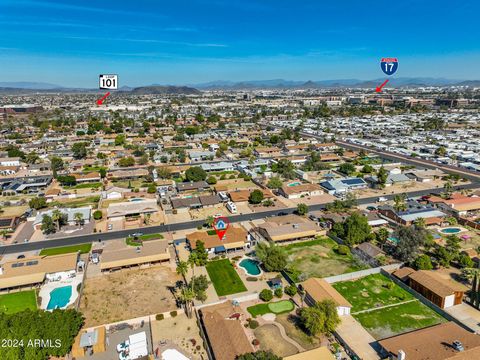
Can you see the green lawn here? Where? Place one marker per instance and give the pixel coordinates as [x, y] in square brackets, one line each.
[18, 301]
[398, 319]
[318, 258]
[224, 277]
[83, 248]
[85, 186]
[371, 291]
[133, 242]
[278, 307]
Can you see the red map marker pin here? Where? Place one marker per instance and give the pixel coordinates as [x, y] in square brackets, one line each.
[221, 224]
[102, 99]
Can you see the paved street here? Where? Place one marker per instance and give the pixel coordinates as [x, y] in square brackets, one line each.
[82, 239]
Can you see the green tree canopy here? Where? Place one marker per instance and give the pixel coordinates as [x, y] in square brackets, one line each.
[322, 318]
[195, 173]
[274, 257]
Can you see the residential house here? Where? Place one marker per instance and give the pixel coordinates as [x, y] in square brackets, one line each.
[289, 228]
[33, 270]
[414, 211]
[225, 333]
[115, 256]
[239, 196]
[458, 205]
[132, 209]
[70, 214]
[192, 186]
[235, 238]
[342, 186]
[301, 190]
[447, 341]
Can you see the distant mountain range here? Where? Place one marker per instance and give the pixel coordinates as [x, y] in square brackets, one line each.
[191, 89]
[335, 83]
[33, 87]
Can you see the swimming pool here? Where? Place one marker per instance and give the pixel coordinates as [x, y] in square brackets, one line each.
[450, 230]
[59, 297]
[296, 183]
[251, 267]
[136, 199]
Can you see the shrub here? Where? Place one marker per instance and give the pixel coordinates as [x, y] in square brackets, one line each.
[343, 250]
[173, 313]
[253, 324]
[389, 285]
[279, 292]
[255, 342]
[252, 278]
[159, 317]
[291, 290]
[97, 214]
[266, 295]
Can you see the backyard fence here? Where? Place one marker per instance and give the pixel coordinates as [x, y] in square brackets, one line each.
[362, 273]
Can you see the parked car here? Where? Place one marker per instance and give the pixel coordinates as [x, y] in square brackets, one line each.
[110, 227]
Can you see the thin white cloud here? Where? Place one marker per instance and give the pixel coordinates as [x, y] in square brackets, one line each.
[63, 6]
[154, 41]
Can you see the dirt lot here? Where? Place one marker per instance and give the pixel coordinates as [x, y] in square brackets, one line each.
[402, 188]
[270, 339]
[180, 331]
[128, 294]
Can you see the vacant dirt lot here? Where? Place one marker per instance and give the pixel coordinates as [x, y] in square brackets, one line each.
[128, 294]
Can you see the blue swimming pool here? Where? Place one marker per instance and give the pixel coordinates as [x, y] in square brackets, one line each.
[59, 297]
[136, 199]
[250, 266]
[296, 183]
[451, 230]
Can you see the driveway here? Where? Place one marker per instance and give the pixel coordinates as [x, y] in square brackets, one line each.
[467, 315]
[357, 338]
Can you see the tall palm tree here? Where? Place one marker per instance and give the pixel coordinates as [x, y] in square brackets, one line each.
[56, 217]
[182, 268]
[186, 296]
[78, 218]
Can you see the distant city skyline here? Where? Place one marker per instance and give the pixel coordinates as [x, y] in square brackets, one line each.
[186, 42]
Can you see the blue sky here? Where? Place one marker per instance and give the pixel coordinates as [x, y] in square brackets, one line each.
[183, 42]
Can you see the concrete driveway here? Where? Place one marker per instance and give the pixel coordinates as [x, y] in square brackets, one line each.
[467, 315]
[357, 338]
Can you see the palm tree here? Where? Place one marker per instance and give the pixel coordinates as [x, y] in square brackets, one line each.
[78, 218]
[400, 204]
[56, 217]
[302, 294]
[4, 233]
[420, 223]
[182, 268]
[186, 296]
[209, 221]
[448, 188]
